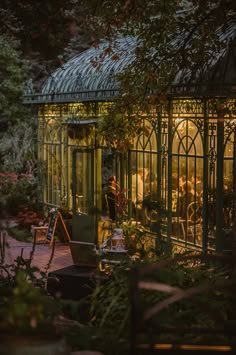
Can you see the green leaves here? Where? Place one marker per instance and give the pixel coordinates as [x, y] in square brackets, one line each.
[119, 130]
[110, 302]
[171, 35]
[25, 307]
[13, 73]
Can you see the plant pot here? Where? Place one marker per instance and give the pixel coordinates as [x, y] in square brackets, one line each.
[32, 345]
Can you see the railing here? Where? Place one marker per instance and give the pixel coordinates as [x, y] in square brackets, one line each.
[95, 95]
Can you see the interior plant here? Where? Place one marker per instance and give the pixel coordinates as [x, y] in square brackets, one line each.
[138, 239]
[27, 314]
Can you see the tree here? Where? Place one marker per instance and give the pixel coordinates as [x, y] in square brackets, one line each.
[17, 129]
[174, 38]
[176, 41]
[13, 74]
[17, 148]
[43, 30]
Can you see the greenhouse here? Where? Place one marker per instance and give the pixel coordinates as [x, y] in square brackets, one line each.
[184, 158]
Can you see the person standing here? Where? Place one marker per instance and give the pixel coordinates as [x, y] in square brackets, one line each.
[138, 183]
[111, 197]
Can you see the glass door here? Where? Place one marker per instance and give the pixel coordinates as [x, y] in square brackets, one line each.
[83, 181]
[83, 195]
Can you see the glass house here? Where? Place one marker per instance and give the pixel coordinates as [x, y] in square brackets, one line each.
[184, 157]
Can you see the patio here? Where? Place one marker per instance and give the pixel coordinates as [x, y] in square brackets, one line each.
[42, 253]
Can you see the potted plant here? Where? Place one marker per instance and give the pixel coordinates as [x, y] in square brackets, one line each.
[27, 314]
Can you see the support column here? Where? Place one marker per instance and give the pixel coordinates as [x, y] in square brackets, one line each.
[205, 179]
[219, 183]
[169, 175]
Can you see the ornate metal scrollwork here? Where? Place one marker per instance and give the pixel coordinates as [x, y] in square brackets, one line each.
[212, 159]
[164, 153]
[185, 107]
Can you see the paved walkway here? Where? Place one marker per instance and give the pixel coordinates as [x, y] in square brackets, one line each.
[42, 253]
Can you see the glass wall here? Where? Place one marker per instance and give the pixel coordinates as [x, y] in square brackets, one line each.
[181, 161]
[187, 180]
[142, 179]
[51, 157]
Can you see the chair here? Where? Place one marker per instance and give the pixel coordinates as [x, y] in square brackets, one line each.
[194, 221]
[191, 226]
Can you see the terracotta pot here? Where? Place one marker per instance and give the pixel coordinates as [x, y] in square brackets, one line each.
[32, 345]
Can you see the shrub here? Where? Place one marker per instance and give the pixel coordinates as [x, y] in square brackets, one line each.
[25, 307]
[17, 191]
[15, 202]
[20, 234]
[27, 218]
[111, 307]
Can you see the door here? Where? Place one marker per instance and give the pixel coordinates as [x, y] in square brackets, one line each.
[83, 196]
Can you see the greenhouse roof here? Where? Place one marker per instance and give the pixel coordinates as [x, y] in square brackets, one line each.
[91, 75]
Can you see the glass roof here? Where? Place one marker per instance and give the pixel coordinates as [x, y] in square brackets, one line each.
[83, 72]
[90, 76]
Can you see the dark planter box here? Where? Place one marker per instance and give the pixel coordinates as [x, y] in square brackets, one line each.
[73, 282]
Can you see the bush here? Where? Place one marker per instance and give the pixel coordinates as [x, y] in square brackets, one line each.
[16, 202]
[27, 218]
[20, 234]
[110, 312]
[16, 191]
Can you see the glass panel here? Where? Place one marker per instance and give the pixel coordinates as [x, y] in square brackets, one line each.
[84, 184]
[187, 183]
[228, 196]
[53, 175]
[53, 130]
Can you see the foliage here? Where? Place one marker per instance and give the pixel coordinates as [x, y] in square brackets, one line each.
[25, 307]
[120, 129]
[20, 233]
[171, 35]
[16, 137]
[13, 73]
[17, 191]
[177, 41]
[18, 148]
[138, 239]
[15, 202]
[121, 204]
[27, 218]
[209, 280]
[111, 307]
[43, 30]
